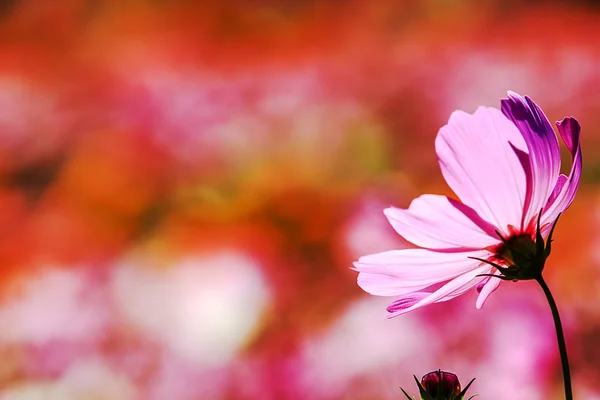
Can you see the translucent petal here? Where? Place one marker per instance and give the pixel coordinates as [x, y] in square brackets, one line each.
[483, 157]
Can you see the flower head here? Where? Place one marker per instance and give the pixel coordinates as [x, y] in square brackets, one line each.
[504, 166]
[440, 385]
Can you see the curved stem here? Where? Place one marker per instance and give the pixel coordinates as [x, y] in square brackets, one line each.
[562, 348]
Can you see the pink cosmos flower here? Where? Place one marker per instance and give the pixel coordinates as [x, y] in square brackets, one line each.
[505, 169]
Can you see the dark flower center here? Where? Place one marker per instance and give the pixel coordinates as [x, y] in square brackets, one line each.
[514, 249]
[521, 255]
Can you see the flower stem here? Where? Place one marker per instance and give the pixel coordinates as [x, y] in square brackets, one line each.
[562, 348]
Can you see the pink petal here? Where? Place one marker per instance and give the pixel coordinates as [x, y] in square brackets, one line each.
[450, 290]
[486, 289]
[560, 182]
[437, 222]
[407, 301]
[543, 149]
[481, 157]
[399, 272]
[569, 130]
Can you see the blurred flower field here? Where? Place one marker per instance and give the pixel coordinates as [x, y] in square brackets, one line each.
[185, 184]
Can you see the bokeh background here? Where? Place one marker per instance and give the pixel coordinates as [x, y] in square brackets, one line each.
[185, 184]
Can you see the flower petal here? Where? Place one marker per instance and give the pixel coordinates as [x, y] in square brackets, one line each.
[399, 272]
[481, 157]
[566, 188]
[543, 149]
[450, 290]
[437, 222]
[487, 288]
[560, 182]
[407, 301]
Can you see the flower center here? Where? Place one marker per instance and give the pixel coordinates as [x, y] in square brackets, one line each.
[523, 253]
[513, 249]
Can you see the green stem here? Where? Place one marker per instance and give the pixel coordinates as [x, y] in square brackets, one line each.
[562, 348]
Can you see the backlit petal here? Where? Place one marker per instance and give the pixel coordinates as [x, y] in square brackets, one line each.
[437, 222]
[407, 301]
[543, 149]
[490, 285]
[560, 182]
[399, 272]
[481, 157]
[566, 188]
[450, 290]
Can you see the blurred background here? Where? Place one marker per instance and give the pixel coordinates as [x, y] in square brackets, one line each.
[185, 184]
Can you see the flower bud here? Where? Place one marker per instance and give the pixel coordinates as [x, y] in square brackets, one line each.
[440, 385]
